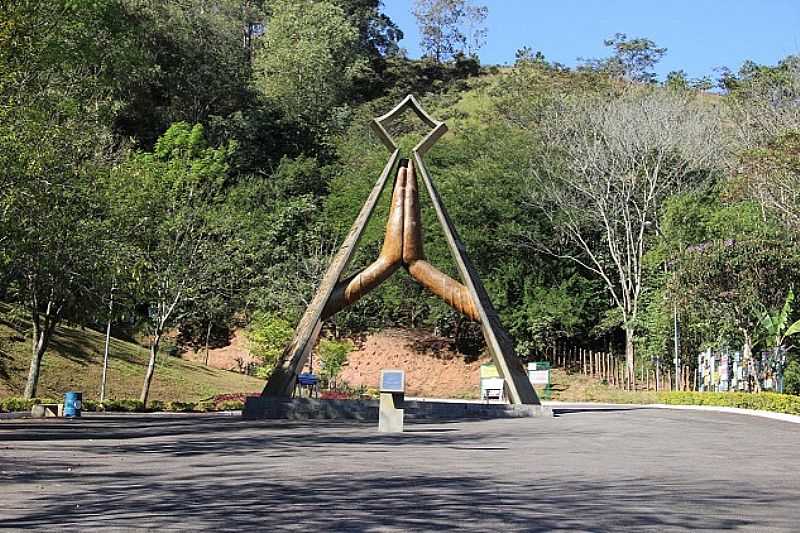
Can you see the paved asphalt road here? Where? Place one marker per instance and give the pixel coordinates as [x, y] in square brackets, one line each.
[592, 470]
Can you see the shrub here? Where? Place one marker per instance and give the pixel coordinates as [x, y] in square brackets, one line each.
[765, 401]
[230, 405]
[267, 335]
[206, 406]
[12, 404]
[222, 402]
[791, 378]
[16, 404]
[122, 406]
[179, 407]
[333, 354]
[335, 395]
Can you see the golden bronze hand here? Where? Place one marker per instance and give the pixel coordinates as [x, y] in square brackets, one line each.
[402, 245]
[452, 292]
[350, 290]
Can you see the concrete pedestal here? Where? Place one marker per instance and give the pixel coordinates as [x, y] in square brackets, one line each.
[391, 412]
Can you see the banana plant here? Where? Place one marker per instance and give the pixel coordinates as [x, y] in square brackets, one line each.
[775, 327]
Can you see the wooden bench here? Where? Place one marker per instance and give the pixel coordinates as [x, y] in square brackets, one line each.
[43, 410]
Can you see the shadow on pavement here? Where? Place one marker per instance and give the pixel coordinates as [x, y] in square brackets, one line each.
[558, 411]
[255, 500]
[226, 473]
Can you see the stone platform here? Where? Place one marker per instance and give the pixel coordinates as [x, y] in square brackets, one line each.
[367, 410]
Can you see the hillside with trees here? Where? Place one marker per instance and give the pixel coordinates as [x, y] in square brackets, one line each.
[172, 172]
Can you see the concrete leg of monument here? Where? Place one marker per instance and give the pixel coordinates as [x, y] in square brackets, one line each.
[391, 412]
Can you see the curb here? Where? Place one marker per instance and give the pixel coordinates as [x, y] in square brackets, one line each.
[13, 415]
[783, 417]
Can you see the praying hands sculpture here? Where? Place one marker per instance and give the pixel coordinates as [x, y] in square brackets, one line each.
[403, 247]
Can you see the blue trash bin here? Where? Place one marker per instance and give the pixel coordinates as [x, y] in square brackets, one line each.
[73, 403]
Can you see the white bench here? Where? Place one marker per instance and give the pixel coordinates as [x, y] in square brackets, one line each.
[45, 410]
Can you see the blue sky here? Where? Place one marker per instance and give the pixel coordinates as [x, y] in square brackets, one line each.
[700, 35]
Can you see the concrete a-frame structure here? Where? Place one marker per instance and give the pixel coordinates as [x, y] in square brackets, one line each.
[403, 247]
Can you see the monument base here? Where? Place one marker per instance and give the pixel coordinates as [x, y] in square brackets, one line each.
[267, 407]
[391, 412]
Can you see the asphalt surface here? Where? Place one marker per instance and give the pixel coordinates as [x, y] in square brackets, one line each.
[585, 470]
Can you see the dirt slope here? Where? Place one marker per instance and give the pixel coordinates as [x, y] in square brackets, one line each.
[235, 356]
[432, 368]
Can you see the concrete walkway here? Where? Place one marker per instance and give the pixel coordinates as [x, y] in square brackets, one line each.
[588, 469]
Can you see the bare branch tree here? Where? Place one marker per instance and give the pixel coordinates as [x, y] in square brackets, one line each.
[766, 118]
[767, 105]
[448, 27]
[606, 167]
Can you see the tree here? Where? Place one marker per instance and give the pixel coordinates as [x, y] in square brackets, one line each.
[775, 326]
[308, 59]
[194, 64]
[726, 261]
[765, 101]
[378, 34]
[605, 171]
[771, 174]
[51, 236]
[333, 355]
[765, 106]
[267, 336]
[166, 200]
[677, 80]
[725, 285]
[633, 59]
[475, 28]
[61, 65]
[449, 27]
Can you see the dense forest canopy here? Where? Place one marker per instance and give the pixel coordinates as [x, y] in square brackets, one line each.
[201, 172]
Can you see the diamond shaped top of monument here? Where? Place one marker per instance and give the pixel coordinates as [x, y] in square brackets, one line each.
[409, 102]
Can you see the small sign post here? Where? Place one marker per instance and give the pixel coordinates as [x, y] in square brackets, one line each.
[539, 376]
[391, 412]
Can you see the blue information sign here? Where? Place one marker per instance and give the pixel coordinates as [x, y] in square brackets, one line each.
[393, 381]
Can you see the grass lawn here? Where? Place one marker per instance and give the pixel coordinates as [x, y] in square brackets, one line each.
[74, 362]
[580, 388]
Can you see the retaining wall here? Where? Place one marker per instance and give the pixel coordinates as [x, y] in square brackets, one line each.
[367, 410]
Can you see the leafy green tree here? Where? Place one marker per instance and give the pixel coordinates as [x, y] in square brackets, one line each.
[718, 304]
[449, 27]
[62, 66]
[677, 80]
[726, 284]
[268, 335]
[165, 200]
[378, 34]
[333, 355]
[791, 378]
[633, 59]
[194, 64]
[308, 59]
